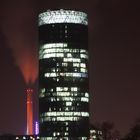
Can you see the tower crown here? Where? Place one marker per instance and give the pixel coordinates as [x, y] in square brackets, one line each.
[63, 16]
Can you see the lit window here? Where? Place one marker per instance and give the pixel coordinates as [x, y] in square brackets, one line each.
[83, 51]
[59, 54]
[67, 98]
[76, 64]
[58, 133]
[50, 74]
[54, 134]
[72, 60]
[42, 93]
[65, 64]
[24, 137]
[73, 74]
[68, 103]
[74, 89]
[67, 118]
[48, 114]
[65, 133]
[83, 70]
[86, 94]
[83, 65]
[61, 88]
[83, 56]
[69, 55]
[63, 93]
[84, 99]
[54, 45]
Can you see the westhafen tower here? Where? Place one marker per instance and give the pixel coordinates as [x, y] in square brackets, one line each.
[63, 75]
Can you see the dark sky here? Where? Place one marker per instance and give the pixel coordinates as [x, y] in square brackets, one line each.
[114, 44]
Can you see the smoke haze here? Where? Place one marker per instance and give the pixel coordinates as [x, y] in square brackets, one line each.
[17, 26]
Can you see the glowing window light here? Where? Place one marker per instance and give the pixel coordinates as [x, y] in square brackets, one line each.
[68, 118]
[50, 50]
[86, 94]
[74, 89]
[53, 99]
[50, 74]
[72, 60]
[73, 74]
[47, 138]
[65, 64]
[63, 16]
[67, 128]
[58, 133]
[61, 88]
[66, 133]
[83, 138]
[54, 45]
[43, 90]
[84, 56]
[92, 131]
[68, 103]
[52, 55]
[85, 114]
[48, 55]
[42, 93]
[67, 98]
[78, 114]
[76, 65]
[84, 99]
[83, 70]
[59, 54]
[69, 55]
[83, 51]
[63, 93]
[47, 51]
[54, 134]
[83, 65]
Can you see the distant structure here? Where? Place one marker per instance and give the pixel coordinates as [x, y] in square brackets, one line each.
[96, 134]
[63, 75]
[29, 93]
[19, 137]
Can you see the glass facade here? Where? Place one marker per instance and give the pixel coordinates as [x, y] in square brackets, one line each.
[63, 75]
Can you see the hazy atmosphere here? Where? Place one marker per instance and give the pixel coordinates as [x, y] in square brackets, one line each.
[114, 64]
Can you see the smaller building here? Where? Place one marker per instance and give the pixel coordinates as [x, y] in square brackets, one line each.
[19, 137]
[95, 133]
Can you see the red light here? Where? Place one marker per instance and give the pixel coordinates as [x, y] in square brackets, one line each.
[29, 92]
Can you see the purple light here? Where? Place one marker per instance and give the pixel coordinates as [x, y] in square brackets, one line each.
[36, 128]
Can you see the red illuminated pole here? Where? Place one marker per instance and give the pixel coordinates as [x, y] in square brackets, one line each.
[29, 112]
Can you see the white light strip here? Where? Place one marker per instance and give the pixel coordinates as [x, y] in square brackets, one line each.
[63, 16]
[54, 45]
[66, 74]
[72, 60]
[83, 114]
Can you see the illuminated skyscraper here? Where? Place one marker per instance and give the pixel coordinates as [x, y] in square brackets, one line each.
[63, 75]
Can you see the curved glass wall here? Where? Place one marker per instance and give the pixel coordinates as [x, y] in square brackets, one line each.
[63, 76]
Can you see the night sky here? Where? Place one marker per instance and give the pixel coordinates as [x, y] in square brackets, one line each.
[114, 45]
